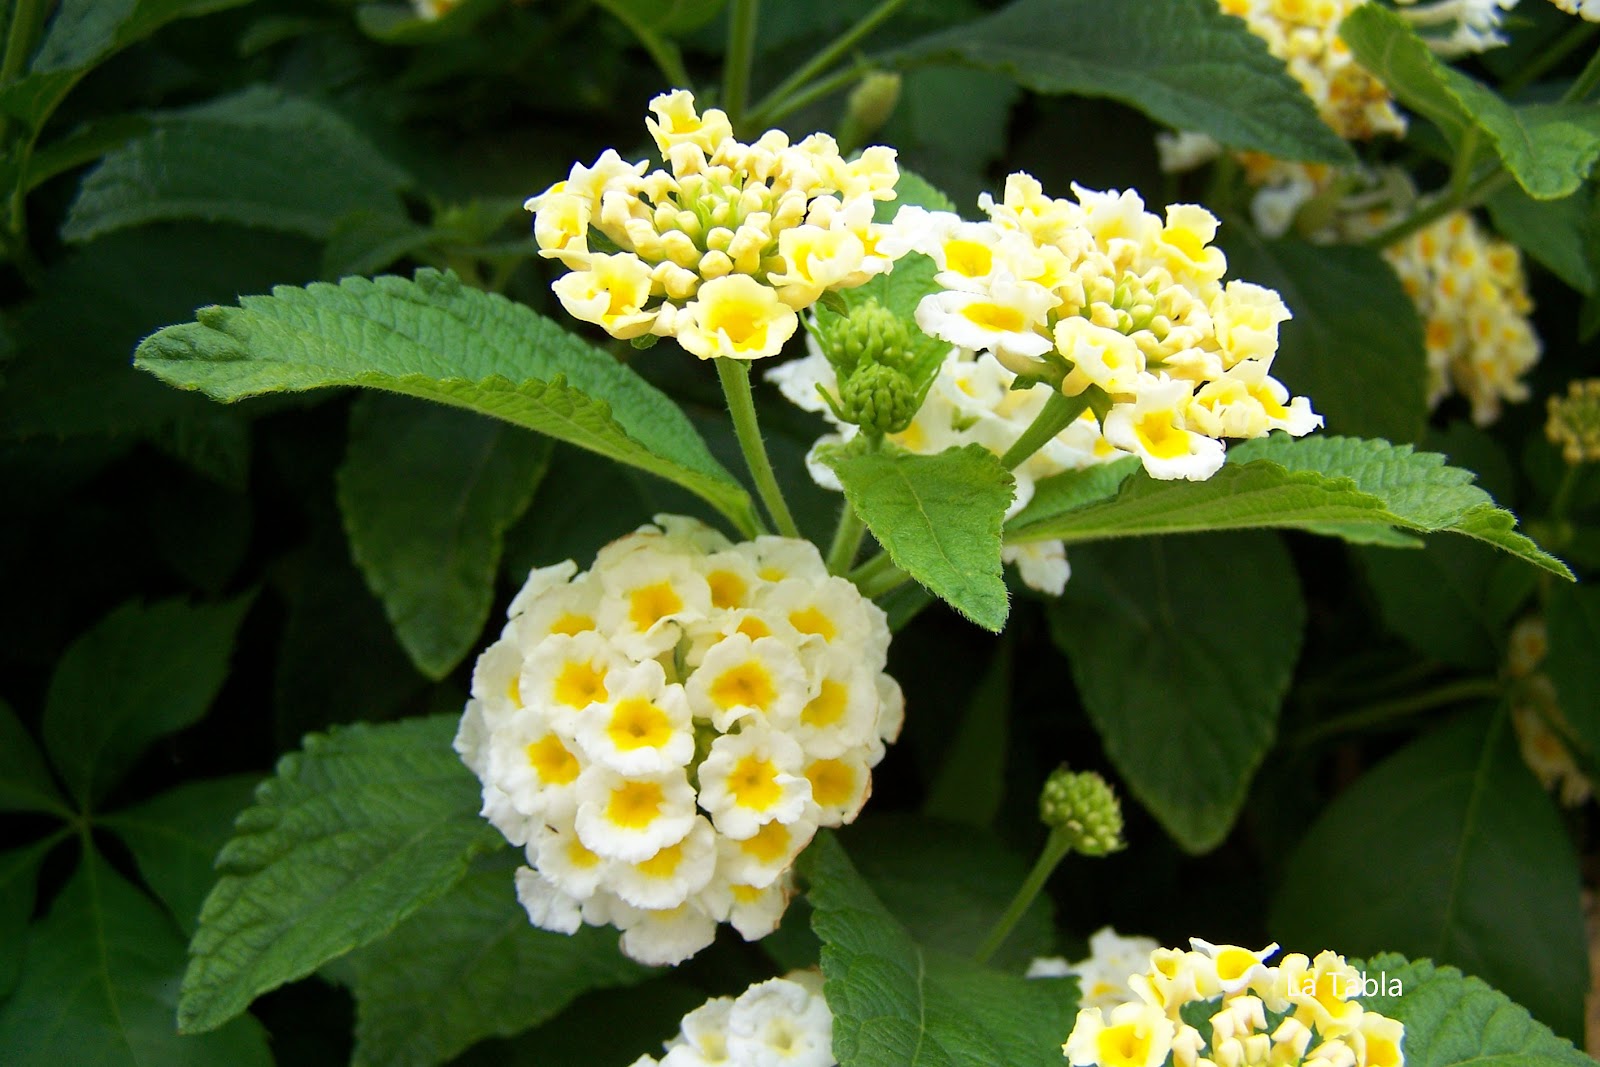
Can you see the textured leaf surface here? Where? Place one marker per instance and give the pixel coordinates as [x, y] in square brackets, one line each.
[1183, 62]
[259, 158]
[1329, 485]
[471, 966]
[25, 783]
[1354, 345]
[175, 838]
[896, 1004]
[437, 339]
[1549, 148]
[1572, 618]
[1562, 234]
[141, 673]
[100, 983]
[938, 517]
[427, 494]
[352, 835]
[1182, 651]
[1451, 1019]
[1449, 849]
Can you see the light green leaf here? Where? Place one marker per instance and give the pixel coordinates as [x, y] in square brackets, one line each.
[896, 1004]
[1182, 651]
[25, 783]
[1549, 148]
[1183, 62]
[351, 836]
[175, 838]
[1322, 484]
[1572, 619]
[258, 158]
[139, 674]
[971, 782]
[1453, 1019]
[1354, 346]
[19, 874]
[427, 494]
[99, 984]
[1454, 600]
[1448, 849]
[437, 339]
[1562, 234]
[471, 966]
[937, 516]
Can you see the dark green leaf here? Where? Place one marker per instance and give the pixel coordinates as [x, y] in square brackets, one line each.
[1448, 849]
[1562, 234]
[141, 673]
[25, 783]
[1183, 62]
[437, 339]
[19, 874]
[176, 836]
[1572, 619]
[1182, 650]
[100, 983]
[427, 494]
[937, 516]
[351, 836]
[1454, 600]
[471, 966]
[971, 783]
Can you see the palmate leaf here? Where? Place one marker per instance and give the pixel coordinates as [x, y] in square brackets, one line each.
[25, 783]
[437, 339]
[352, 835]
[1338, 486]
[1183, 62]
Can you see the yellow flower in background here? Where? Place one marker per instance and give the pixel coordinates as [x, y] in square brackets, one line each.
[1573, 422]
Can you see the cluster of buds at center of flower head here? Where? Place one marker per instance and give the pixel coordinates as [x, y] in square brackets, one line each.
[1298, 1011]
[665, 732]
[723, 248]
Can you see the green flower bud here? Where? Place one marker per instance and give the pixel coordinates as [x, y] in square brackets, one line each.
[873, 355]
[870, 332]
[878, 397]
[871, 103]
[1083, 806]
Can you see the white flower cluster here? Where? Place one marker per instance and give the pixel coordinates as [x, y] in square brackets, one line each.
[1588, 10]
[970, 402]
[665, 732]
[1316, 1020]
[782, 1022]
[1116, 298]
[723, 248]
[1455, 28]
[1103, 976]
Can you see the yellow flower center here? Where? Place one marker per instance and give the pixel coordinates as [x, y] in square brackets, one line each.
[551, 761]
[753, 628]
[572, 623]
[999, 317]
[1232, 963]
[649, 604]
[968, 258]
[1160, 438]
[1123, 1046]
[833, 783]
[754, 783]
[635, 805]
[769, 845]
[663, 864]
[580, 684]
[812, 621]
[747, 685]
[727, 589]
[579, 856]
[637, 723]
[827, 707]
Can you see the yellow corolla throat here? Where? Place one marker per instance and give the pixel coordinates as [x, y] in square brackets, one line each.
[649, 604]
[637, 723]
[635, 805]
[1124, 1045]
[971, 259]
[828, 706]
[728, 590]
[581, 684]
[753, 784]
[813, 621]
[1160, 437]
[747, 685]
[833, 782]
[1002, 318]
[552, 761]
[769, 845]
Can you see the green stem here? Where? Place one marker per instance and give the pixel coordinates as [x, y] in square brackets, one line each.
[1473, 195]
[1550, 58]
[665, 54]
[884, 581]
[847, 537]
[1563, 498]
[1058, 413]
[1585, 84]
[1461, 172]
[835, 82]
[819, 64]
[1383, 711]
[740, 58]
[1056, 847]
[735, 377]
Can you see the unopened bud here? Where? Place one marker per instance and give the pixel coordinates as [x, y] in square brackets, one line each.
[878, 397]
[871, 103]
[1082, 804]
[1574, 422]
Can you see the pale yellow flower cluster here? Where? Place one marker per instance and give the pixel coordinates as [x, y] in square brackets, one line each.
[1573, 422]
[1099, 292]
[1103, 975]
[1543, 732]
[665, 732]
[782, 1022]
[722, 248]
[1305, 35]
[1317, 1022]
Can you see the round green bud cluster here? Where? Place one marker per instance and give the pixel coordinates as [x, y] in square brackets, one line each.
[878, 397]
[1574, 422]
[1083, 805]
[871, 352]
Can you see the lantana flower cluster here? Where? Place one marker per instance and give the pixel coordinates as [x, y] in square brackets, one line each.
[663, 733]
[723, 247]
[780, 1021]
[1543, 733]
[1572, 421]
[1103, 975]
[1099, 292]
[1299, 1011]
[1588, 10]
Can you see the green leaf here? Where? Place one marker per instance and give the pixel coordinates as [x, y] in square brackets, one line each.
[896, 1004]
[1448, 849]
[1549, 148]
[19, 873]
[257, 158]
[1355, 343]
[471, 966]
[1453, 1019]
[25, 783]
[1183, 62]
[1454, 600]
[99, 983]
[1562, 234]
[971, 782]
[427, 494]
[437, 339]
[352, 835]
[915, 191]
[139, 674]
[1182, 651]
[175, 838]
[1572, 620]
[937, 516]
[1321, 484]
[665, 16]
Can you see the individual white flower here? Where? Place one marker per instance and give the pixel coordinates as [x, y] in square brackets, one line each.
[667, 937]
[670, 876]
[548, 907]
[645, 728]
[1135, 1035]
[739, 677]
[1155, 428]
[751, 778]
[1041, 565]
[631, 817]
[782, 1022]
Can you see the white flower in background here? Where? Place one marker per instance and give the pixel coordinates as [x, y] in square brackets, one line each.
[782, 1022]
[1103, 975]
[1584, 9]
[1455, 28]
[665, 732]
